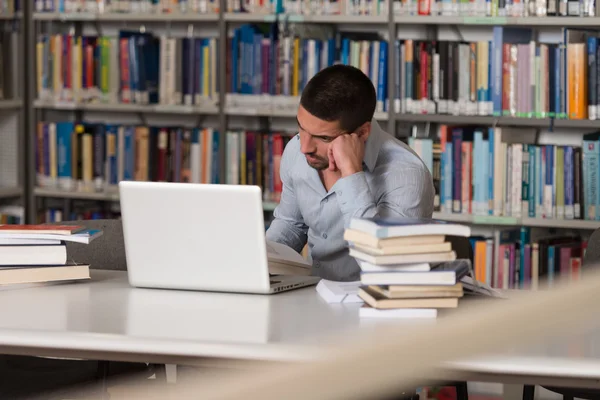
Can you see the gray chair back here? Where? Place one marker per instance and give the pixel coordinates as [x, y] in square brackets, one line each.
[592, 253]
[105, 252]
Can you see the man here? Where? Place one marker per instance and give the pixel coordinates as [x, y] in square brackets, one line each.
[342, 165]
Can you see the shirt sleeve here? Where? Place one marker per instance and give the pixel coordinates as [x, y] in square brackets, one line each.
[407, 194]
[288, 225]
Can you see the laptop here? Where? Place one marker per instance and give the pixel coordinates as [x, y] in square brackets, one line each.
[206, 237]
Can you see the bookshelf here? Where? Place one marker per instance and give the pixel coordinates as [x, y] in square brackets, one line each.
[225, 113]
[12, 131]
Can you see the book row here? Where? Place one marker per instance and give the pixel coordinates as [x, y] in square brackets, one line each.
[282, 62]
[132, 68]
[476, 172]
[344, 7]
[96, 157]
[127, 6]
[10, 6]
[11, 215]
[79, 213]
[497, 8]
[513, 260]
[511, 75]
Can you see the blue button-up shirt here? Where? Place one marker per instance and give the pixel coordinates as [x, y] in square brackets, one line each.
[394, 182]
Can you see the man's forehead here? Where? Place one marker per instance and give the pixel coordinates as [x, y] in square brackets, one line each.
[318, 127]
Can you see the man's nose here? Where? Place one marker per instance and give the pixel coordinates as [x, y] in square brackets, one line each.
[306, 144]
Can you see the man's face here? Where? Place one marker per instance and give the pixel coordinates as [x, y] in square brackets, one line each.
[316, 136]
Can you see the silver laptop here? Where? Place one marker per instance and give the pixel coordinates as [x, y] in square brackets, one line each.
[198, 237]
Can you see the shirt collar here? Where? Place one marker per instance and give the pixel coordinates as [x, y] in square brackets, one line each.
[373, 145]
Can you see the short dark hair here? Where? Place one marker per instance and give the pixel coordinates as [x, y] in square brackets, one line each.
[340, 93]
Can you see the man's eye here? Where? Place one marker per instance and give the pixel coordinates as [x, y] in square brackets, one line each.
[326, 139]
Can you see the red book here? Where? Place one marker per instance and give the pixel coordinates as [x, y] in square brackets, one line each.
[45, 229]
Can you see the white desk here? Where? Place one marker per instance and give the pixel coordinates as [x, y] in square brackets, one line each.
[107, 319]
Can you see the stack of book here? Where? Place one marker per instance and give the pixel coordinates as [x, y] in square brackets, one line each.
[37, 254]
[408, 267]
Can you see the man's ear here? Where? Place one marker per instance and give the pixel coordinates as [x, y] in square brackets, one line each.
[364, 131]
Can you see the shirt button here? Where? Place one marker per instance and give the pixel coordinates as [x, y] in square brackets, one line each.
[325, 200]
[316, 264]
[340, 193]
[324, 236]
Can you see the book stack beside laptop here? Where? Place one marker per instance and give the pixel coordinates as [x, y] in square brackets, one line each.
[37, 254]
[408, 267]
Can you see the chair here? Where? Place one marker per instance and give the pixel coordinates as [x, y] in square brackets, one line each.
[591, 257]
[50, 374]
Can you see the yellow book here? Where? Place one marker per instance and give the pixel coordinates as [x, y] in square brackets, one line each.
[243, 158]
[57, 81]
[205, 71]
[40, 68]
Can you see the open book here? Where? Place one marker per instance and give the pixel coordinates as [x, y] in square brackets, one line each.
[284, 260]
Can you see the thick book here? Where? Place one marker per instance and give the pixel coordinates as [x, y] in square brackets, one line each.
[376, 300]
[43, 274]
[418, 291]
[358, 237]
[399, 250]
[445, 274]
[402, 258]
[393, 227]
[33, 255]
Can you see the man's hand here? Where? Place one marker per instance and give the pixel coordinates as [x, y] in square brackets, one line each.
[346, 154]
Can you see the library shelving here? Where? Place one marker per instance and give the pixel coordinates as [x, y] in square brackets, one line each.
[266, 100]
[12, 131]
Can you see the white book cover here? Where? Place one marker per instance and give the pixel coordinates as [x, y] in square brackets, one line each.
[517, 181]
[196, 160]
[114, 71]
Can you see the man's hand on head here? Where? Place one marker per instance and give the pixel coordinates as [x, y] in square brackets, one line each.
[346, 154]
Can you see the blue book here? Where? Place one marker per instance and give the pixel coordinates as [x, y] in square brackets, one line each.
[64, 135]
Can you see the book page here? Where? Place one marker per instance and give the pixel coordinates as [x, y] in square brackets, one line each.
[284, 254]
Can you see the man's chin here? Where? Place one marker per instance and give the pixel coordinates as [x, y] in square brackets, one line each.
[319, 166]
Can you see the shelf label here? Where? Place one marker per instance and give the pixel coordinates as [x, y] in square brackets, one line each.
[485, 20]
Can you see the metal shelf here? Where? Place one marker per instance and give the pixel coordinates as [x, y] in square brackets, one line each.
[8, 192]
[9, 16]
[268, 112]
[327, 19]
[111, 195]
[10, 104]
[508, 21]
[513, 221]
[125, 17]
[65, 194]
[134, 108]
[500, 121]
